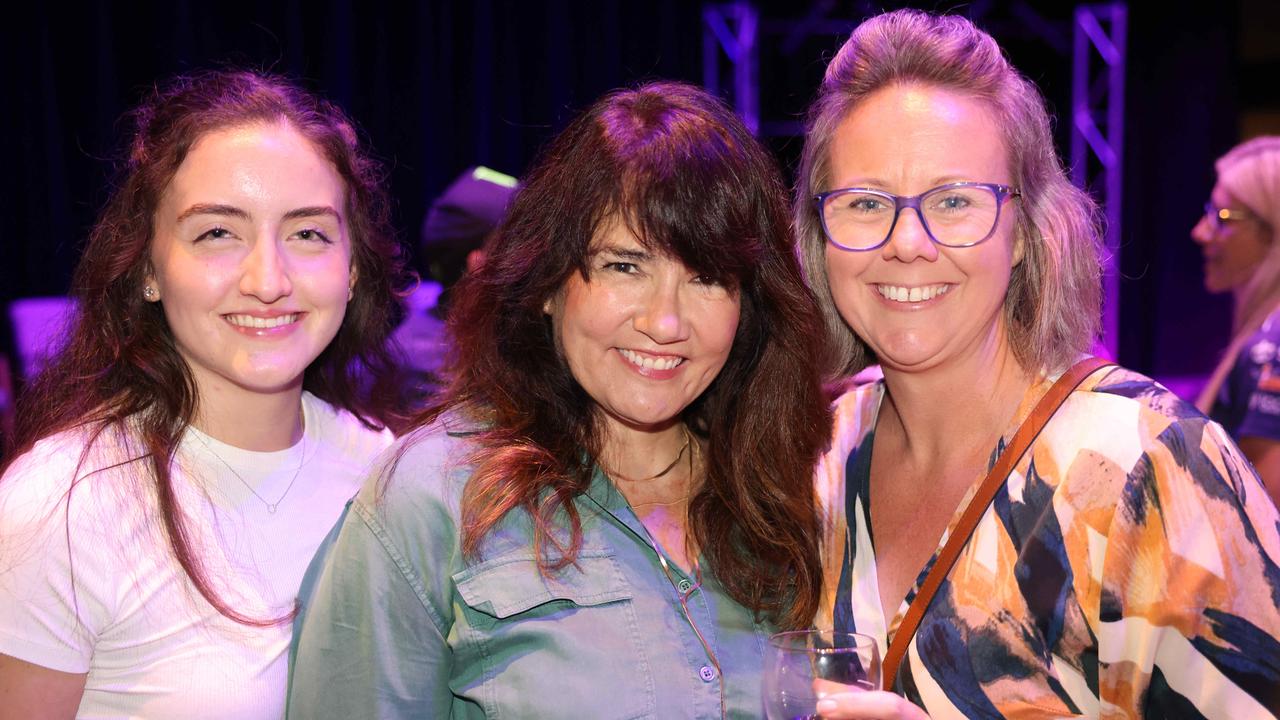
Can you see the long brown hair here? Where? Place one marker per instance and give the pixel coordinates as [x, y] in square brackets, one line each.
[119, 368]
[691, 182]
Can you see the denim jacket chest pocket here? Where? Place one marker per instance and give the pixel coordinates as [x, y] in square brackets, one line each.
[564, 644]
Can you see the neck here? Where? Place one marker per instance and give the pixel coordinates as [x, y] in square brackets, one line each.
[262, 422]
[649, 466]
[965, 404]
[657, 474]
[642, 453]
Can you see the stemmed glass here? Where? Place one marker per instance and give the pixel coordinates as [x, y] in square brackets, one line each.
[799, 664]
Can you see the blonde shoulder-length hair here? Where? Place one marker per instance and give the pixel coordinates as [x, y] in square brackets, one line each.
[1053, 302]
[1250, 172]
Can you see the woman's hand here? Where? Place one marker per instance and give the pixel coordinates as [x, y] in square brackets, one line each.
[843, 701]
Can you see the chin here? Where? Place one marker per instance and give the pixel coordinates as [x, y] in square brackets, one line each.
[650, 419]
[911, 359]
[1215, 287]
[269, 382]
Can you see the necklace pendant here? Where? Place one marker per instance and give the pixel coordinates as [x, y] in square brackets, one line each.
[271, 508]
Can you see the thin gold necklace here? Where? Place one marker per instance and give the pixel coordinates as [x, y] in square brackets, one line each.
[619, 476]
[271, 506]
[696, 567]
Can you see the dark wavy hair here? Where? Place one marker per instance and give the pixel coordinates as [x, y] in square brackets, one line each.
[119, 362]
[683, 172]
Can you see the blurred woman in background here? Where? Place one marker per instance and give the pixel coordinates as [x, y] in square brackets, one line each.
[1237, 234]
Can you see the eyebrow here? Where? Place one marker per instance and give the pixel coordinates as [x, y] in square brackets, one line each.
[623, 252]
[313, 211]
[874, 183]
[233, 211]
[213, 209]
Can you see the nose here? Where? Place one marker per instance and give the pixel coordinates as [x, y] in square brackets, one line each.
[1203, 231]
[909, 240]
[265, 272]
[660, 315]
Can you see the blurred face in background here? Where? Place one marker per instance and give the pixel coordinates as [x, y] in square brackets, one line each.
[1234, 246]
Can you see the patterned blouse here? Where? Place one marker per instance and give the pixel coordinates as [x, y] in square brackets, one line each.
[1127, 569]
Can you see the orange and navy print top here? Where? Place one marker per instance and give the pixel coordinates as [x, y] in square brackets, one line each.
[1127, 569]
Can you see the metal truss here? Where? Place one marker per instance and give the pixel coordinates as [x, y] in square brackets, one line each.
[729, 31]
[1097, 135]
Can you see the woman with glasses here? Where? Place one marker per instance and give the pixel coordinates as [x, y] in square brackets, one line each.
[1242, 256]
[1126, 564]
[613, 506]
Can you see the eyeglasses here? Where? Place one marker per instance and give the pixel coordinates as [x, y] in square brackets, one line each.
[955, 215]
[1218, 217]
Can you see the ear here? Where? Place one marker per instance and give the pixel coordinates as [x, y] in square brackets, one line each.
[1019, 250]
[551, 306]
[354, 275]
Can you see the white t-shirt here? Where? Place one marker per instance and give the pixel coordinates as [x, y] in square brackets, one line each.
[91, 586]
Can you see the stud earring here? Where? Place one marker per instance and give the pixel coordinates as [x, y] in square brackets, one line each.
[149, 293]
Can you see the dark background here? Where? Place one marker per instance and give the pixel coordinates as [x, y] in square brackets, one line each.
[438, 87]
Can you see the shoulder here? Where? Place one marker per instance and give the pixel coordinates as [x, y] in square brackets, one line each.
[421, 476]
[1170, 456]
[1270, 329]
[102, 466]
[1260, 347]
[854, 415]
[344, 432]
[1125, 405]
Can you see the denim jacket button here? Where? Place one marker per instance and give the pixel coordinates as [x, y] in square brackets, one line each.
[707, 673]
[684, 585]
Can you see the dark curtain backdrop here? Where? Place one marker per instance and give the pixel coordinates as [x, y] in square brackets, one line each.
[440, 86]
[437, 87]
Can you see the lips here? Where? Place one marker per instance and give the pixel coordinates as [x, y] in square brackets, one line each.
[911, 294]
[651, 362]
[256, 322]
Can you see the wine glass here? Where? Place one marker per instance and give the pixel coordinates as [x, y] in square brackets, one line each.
[795, 660]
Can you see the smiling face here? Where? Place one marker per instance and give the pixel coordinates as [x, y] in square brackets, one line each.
[1233, 251]
[643, 334]
[916, 304]
[250, 258]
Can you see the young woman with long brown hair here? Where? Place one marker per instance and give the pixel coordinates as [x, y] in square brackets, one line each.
[612, 507]
[221, 389]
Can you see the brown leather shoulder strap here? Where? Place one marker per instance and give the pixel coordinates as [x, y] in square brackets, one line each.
[977, 507]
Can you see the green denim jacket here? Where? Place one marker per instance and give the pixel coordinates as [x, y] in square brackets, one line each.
[394, 623]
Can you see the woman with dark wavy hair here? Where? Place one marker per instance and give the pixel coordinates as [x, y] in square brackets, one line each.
[220, 392]
[612, 507]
